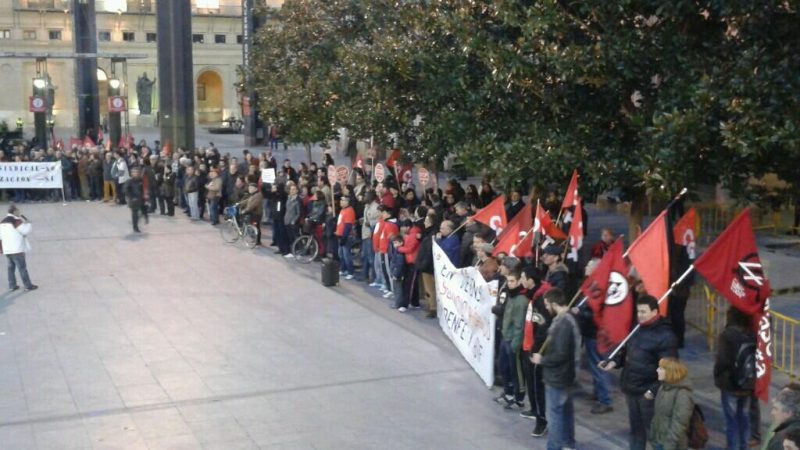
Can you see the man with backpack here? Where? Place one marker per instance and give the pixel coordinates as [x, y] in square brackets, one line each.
[734, 375]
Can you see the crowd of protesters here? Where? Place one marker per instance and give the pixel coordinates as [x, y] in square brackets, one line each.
[540, 335]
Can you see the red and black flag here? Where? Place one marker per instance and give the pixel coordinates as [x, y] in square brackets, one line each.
[732, 266]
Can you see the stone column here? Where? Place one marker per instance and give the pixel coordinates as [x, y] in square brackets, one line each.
[175, 73]
[254, 129]
[85, 39]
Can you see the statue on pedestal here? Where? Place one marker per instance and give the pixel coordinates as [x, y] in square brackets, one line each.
[144, 92]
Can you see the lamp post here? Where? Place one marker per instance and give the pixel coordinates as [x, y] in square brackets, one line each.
[39, 108]
[114, 115]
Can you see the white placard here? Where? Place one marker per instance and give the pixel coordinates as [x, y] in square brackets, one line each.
[30, 175]
[268, 175]
[464, 306]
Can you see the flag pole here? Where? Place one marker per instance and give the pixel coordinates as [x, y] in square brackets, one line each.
[663, 296]
[569, 306]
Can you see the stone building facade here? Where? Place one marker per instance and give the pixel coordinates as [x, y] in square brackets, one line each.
[123, 27]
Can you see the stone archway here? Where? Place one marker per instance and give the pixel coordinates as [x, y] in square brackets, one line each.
[209, 96]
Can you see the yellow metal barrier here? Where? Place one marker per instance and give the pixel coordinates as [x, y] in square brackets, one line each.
[706, 311]
[714, 218]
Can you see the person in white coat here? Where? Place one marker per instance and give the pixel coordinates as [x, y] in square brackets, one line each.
[14, 229]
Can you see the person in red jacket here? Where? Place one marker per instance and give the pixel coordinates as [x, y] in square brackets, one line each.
[345, 233]
[412, 233]
[388, 230]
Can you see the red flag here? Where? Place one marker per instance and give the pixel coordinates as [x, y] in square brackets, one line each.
[75, 142]
[404, 174]
[685, 232]
[544, 224]
[571, 197]
[87, 141]
[99, 135]
[493, 215]
[609, 297]
[649, 254]
[731, 264]
[359, 162]
[393, 157]
[576, 233]
[509, 239]
[60, 144]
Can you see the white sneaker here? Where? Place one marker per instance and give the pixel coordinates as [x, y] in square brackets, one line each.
[402, 309]
[374, 284]
[348, 277]
[342, 273]
[288, 255]
[387, 294]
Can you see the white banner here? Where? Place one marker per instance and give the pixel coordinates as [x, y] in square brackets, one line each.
[464, 307]
[30, 175]
[268, 175]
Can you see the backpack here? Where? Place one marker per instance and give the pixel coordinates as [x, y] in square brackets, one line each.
[744, 366]
[698, 434]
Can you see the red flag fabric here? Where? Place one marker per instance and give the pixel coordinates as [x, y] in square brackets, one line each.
[544, 224]
[75, 142]
[99, 135]
[88, 142]
[576, 234]
[732, 266]
[393, 157]
[685, 232]
[509, 239]
[609, 296]
[404, 174]
[493, 215]
[571, 197]
[649, 254]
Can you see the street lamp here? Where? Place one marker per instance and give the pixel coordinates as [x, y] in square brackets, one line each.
[39, 108]
[114, 116]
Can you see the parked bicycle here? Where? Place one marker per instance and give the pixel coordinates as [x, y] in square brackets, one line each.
[238, 227]
[306, 248]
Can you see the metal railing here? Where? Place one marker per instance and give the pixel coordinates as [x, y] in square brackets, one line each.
[706, 311]
[129, 7]
[714, 218]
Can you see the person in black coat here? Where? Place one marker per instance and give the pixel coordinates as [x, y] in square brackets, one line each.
[136, 196]
[639, 361]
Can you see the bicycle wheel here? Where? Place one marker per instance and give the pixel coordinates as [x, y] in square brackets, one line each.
[305, 249]
[250, 236]
[229, 232]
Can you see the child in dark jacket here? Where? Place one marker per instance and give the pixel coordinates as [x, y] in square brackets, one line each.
[397, 268]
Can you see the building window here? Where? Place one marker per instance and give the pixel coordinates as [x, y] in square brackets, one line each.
[104, 36]
[41, 4]
[219, 38]
[198, 38]
[54, 35]
[5, 34]
[239, 39]
[128, 36]
[144, 6]
[151, 37]
[201, 92]
[29, 35]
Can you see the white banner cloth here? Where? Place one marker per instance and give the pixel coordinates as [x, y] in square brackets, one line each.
[30, 175]
[464, 307]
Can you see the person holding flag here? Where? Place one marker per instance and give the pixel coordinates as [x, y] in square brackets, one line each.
[639, 361]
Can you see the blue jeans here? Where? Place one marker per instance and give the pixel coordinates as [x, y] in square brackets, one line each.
[14, 261]
[367, 258]
[346, 255]
[737, 420]
[507, 360]
[640, 414]
[213, 210]
[600, 378]
[560, 418]
[378, 267]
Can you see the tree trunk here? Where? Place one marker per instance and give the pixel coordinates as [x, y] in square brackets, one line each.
[308, 151]
[635, 216]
